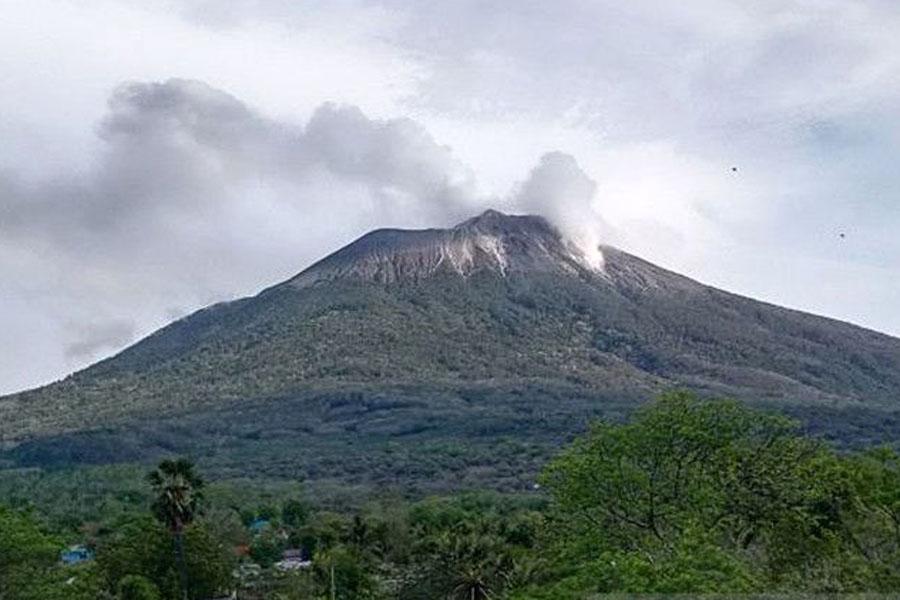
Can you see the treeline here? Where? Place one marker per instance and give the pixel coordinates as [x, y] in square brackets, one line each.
[690, 496]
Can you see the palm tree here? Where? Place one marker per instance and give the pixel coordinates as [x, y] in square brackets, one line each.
[178, 493]
[477, 563]
[472, 582]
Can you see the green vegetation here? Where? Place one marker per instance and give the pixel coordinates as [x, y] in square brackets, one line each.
[138, 554]
[28, 563]
[712, 497]
[688, 496]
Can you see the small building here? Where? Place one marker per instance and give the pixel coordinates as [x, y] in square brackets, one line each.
[258, 526]
[74, 555]
[292, 560]
[247, 570]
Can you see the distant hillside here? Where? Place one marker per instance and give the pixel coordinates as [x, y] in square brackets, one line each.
[496, 329]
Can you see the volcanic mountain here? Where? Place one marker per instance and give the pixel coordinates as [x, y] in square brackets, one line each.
[497, 329]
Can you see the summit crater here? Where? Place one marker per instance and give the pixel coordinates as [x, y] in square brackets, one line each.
[492, 242]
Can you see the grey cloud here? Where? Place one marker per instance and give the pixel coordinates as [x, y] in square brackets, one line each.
[180, 107]
[394, 156]
[197, 197]
[90, 339]
[181, 157]
[184, 148]
[204, 129]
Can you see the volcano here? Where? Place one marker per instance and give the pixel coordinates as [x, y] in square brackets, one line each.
[496, 330]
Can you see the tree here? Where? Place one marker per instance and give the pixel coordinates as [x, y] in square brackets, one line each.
[135, 587]
[343, 572]
[469, 561]
[178, 494]
[139, 545]
[875, 476]
[267, 547]
[143, 547]
[209, 562]
[684, 460]
[478, 566]
[696, 495]
[28, 564]
[294, 513]
[24, 548]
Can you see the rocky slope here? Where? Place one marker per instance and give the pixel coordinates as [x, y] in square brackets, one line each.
[492, 242]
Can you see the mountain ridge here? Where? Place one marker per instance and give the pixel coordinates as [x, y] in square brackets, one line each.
[496, 325]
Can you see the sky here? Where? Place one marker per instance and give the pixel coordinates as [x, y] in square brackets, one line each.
[159, 156]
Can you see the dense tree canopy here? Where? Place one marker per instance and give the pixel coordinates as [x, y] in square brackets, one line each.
[28, 563]
[694, 495]
[688, 496]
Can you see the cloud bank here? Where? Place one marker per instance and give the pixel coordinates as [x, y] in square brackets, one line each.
[183, 151]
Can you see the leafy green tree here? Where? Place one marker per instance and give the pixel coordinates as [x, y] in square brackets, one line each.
[875, 528]
[295, 586]
[136, 587]
[267, 512]
[344, 573]
[225, 525]
[695, 563]
[327, 529]
[776, 510]
[209, 562]
[26, 554]
[877, 479]
[294, 513]
[29, 568]
[143, 547]
[267, 547]
[139, 546]
[79, 582]
[178, 494]
[25, 550]
[649, 478]
[389, 533]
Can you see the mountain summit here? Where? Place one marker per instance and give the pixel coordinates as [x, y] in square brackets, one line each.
[497, 328]
[492, 242]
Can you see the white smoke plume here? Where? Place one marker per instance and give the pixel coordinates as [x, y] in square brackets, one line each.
[558, 189]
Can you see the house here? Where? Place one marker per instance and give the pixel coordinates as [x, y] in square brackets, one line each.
[258, 526]
[74, 555]
[292, 560]
[247, 570]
